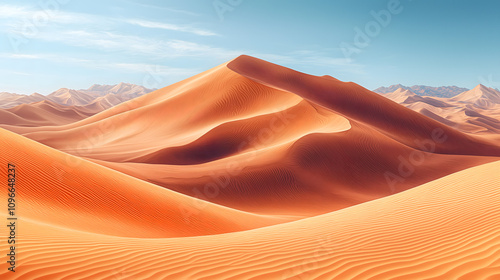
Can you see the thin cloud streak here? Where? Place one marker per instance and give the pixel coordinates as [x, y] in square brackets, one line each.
[99, 64]
[167, 26]
[22, 14]
[78, 30]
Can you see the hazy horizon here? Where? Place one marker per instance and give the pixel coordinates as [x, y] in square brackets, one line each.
[86, 88]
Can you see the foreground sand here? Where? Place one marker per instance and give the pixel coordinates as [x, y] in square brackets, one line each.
[445, 229]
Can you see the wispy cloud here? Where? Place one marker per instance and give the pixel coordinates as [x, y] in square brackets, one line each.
[311, 58]
[10, 11]
[156, 7]
[21, 73]
[167, 49]
[134, 45]
[17, 55]
[33, 15]
[28, 16]
[94, 32]
[100, 64]
[174, 27]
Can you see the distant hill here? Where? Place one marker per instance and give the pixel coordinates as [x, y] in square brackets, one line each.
[445, 91]
[473, 111]
[99, 96]
[44, 113]
[10, 100]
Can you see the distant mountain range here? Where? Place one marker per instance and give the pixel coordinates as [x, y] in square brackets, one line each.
[97, 96]
[445, 91]
[45, 113]
[473, 111]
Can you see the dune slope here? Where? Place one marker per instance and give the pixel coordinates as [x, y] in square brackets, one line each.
[358, 103]
[66, 191]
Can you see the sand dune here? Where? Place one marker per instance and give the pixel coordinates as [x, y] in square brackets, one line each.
[476, 111]
[445, 229]
[97, 96]
[251, 170]
[105, 96]
[446, 91]
[9, 100]
[63, 106]
[316, 174]
[358, 103]
[293, 143]
[71, 97]
[480, 96]
[60, 190]
[403, 96]
[43, 113]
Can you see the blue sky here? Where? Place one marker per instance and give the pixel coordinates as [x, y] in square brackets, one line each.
[49, 44]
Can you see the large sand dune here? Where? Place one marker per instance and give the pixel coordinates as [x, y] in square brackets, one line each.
[293, 143]
[251, 170]
[445, 229]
